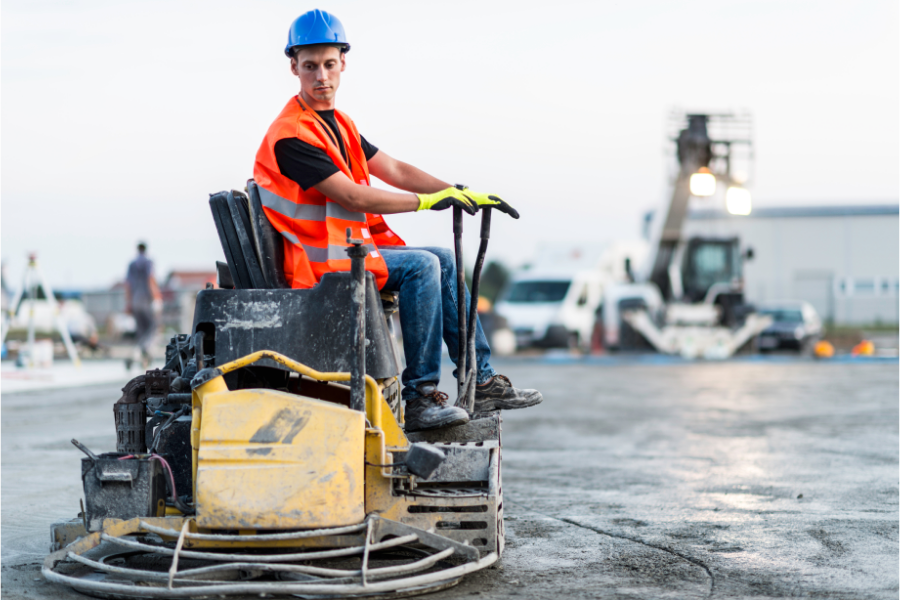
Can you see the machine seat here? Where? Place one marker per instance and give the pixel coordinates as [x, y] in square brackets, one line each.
[312, 326]
[254, 250]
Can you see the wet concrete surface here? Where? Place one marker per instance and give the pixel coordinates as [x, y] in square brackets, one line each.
[734, 480]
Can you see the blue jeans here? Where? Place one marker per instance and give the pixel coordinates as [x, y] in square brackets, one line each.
[426, 281]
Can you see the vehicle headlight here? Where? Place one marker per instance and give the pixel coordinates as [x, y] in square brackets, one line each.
[798, 332]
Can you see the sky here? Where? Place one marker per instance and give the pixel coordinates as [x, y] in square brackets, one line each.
[120, 118]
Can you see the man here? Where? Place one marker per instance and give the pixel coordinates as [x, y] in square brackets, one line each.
[313, 170]
[142, 296]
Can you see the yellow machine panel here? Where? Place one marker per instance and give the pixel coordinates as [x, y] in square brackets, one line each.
[272, 460]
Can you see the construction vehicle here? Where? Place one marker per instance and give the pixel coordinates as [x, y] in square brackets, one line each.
[268, 456]
[688, 299]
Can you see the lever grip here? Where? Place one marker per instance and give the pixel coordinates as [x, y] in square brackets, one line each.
[485, 222]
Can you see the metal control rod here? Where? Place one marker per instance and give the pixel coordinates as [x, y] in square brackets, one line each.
[466, 364]
[462, 338]
[357, 253]
[472, 374]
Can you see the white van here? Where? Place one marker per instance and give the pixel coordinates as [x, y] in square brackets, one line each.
[550, 308]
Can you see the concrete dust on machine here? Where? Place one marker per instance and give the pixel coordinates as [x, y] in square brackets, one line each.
[269, 455]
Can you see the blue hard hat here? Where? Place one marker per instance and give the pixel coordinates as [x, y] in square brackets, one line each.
[316, 27]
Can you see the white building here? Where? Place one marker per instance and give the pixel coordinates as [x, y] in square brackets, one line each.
[842, 259]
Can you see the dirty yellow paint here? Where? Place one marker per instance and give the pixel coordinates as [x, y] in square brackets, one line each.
[269, 460]
[393, 434]
[273, 460]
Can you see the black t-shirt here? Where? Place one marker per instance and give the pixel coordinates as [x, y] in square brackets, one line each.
[308, 165]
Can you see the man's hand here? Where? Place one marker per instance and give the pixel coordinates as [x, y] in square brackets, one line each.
[466, 199]
[446, 198]
[491, 201]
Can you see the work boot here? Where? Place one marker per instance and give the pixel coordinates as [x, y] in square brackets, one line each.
[429, 410]
[499, 394]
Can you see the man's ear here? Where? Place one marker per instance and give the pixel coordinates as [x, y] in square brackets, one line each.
[294, 66]
[343, 61]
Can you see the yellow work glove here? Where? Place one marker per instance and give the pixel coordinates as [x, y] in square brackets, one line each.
[445, 199]
[492, 201]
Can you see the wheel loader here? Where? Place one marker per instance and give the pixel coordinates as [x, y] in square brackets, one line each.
[268, 456]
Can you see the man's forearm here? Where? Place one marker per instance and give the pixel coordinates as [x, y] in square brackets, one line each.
[362, 198]
[404, 176]
[413, 179]
[154, 289]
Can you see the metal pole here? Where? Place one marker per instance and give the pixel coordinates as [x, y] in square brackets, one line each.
[32, 292]
[60, 321]
[14, 307]
[471, 373]
[357, 253]
[461, 336]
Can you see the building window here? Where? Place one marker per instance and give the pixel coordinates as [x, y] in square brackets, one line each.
[864, 287]
[842, 286]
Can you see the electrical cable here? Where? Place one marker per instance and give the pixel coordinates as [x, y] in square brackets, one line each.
[178, 413]
[170, 482]
[399, 464]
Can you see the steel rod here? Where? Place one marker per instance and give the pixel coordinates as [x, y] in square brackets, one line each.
[270, 588]
[357, 253]
[183, 576]
[461, 309]
[272, 537]
[406, 539]
[471, 374]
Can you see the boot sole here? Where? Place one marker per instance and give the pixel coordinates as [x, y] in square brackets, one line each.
[450, 423]
[500, 404]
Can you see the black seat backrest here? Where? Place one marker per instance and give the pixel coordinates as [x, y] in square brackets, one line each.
[232, 216]
[269, 243]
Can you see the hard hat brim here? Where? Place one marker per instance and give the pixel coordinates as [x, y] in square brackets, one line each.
[289, 51]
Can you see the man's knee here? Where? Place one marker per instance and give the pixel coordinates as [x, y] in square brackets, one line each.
[445, 257]
[425, 264]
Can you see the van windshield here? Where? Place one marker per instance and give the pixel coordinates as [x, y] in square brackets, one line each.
[780, 315]
[538, 291]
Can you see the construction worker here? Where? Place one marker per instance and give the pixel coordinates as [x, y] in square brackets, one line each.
[313, 170]
[142, 300]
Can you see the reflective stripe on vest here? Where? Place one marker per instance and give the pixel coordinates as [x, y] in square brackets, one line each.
[308, 220]
[308, 212]
[332, 252]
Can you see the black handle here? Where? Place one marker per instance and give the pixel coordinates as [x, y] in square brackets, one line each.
[461, 307]
[466, 369]
[85, 449]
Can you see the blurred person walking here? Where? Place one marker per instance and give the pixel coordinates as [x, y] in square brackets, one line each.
[142, 300]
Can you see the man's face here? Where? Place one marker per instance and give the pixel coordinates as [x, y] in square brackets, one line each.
[319, 70]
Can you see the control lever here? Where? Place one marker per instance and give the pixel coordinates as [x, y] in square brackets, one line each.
[466, 368]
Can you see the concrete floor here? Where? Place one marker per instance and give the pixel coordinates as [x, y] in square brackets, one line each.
[733, 480]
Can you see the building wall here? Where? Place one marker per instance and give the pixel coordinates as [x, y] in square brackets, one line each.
[843, 260]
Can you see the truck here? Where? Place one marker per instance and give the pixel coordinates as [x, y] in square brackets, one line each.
[553, 303]
[688, 297]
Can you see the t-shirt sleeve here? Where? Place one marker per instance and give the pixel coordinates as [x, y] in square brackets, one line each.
[368, 149]
[303, 163]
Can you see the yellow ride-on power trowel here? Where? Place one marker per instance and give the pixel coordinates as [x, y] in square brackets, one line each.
[268, 456]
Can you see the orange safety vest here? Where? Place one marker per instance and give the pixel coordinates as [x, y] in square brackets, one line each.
[315, 227]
